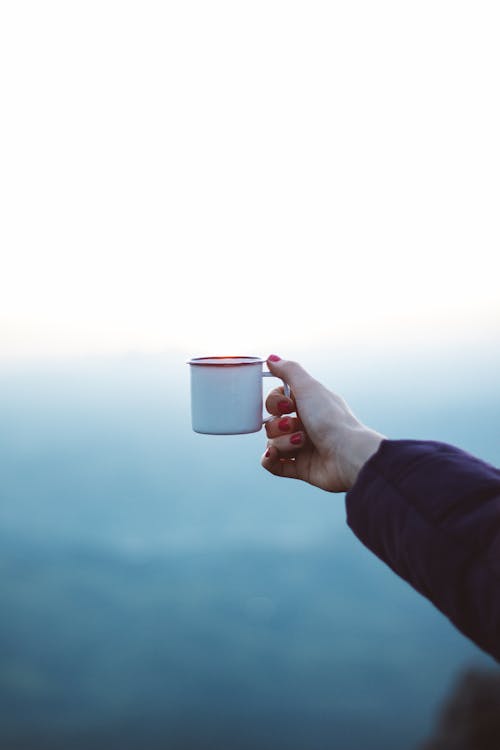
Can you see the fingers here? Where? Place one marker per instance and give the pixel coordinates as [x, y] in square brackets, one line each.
[277, 403]
[282, 426]
[287, 436]
[291, 372]
[288, 445]
[280, 467]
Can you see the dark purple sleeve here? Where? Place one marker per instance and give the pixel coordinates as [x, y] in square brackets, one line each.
[432, 513]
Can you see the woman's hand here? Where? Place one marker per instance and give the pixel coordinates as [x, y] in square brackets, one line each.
[324, 444]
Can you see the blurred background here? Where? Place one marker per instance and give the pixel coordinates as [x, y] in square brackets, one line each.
[183, 179]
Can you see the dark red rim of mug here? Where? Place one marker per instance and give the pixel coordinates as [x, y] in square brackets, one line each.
[203, 361]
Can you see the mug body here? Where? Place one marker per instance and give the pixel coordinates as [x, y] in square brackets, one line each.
[226, 395]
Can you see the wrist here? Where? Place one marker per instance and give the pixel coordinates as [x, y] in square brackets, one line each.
[359, 445]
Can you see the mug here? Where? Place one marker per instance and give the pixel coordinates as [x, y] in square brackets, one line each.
[226, 394]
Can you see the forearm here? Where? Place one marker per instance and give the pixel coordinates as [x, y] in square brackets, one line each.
[432, 513]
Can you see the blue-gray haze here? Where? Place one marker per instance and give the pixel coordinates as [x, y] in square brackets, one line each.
[160, 590]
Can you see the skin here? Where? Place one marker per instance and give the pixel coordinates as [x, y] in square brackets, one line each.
[332, 446]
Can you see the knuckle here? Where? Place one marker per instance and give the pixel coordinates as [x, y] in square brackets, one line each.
[268, 428]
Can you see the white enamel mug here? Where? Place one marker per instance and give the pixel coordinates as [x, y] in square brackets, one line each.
[226, 394]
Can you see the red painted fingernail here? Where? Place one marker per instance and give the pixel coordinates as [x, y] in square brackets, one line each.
[284, 424]
[274, 358]
[267, 453]
[283, 406]
[296, 439]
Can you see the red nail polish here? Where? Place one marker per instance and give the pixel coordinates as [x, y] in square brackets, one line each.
[283, 406]
[274, 358]
[284, 424]
[267, 453]
[296, 439]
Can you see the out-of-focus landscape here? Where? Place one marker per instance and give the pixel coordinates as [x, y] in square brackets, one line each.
[159, 589]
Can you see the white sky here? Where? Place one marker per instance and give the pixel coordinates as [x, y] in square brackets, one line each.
[238, 177]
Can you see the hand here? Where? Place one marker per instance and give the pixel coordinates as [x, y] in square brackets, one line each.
[324, 444]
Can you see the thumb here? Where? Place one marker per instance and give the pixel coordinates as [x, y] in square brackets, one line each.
[291, 372]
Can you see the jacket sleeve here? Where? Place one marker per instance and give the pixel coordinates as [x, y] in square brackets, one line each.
[432, 513]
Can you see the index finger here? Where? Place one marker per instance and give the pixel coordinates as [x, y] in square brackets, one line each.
[277, 403]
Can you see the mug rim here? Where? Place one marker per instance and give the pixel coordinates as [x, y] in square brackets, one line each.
[202, 361]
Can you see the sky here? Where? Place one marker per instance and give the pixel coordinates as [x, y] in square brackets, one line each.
[245, 177]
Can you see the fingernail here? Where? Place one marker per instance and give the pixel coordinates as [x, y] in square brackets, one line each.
[296, 439]
[267, 453]
[284, 424]
[274, 358]
[283, 406]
